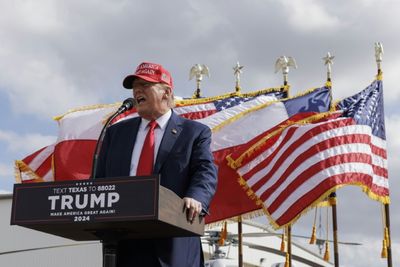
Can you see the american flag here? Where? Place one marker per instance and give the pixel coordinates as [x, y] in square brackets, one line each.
[366, 108]
[301, 161]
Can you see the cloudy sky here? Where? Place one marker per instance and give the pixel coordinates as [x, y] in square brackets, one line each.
[57, 55]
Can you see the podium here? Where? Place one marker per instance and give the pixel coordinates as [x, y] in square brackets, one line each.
[103, 209]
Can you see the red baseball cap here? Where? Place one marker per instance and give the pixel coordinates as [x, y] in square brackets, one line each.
[150, 72]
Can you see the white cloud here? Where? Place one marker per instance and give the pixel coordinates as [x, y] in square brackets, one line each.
[34, 59]
[368, 254]
[310, 16]
[393, 151]
[390, 67]
[6, 170]
[43, 89]
[25, 143]
[392, 133]
[64, 54]
[39, 82]
[40, 18]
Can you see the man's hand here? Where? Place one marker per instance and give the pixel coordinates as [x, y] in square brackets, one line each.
[192, 207]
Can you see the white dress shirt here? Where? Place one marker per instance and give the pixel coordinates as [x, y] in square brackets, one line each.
[141, 136]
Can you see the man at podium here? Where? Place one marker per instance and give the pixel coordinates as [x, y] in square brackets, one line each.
[161, 142]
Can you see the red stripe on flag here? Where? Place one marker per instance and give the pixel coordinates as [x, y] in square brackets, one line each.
[123, 115]
[198, 114]
[289, 150]
[73, 159]
[27, 160]
[309, 173]
[271, 134]
[329, 148]
[268, 160]
[313, 151]
[45, 167]
[380, 171]
[379, 151]
[307, 199]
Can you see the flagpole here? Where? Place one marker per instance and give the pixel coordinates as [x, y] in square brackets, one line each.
[289, 244]
[237, 71]
[332, 202]
[389, 242]
[198, 71]
[378, 59]
[240, 242]
[328, 61]
[283, 63]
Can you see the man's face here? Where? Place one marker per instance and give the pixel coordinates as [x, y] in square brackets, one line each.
[151, 98]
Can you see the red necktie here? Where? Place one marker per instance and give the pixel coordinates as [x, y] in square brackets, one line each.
[146, 160]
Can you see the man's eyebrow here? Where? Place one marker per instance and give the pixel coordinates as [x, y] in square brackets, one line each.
[141, 83]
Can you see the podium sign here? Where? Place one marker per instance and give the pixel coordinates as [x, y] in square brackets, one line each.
[126, 207]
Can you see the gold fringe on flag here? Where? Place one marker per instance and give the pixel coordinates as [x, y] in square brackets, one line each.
[224, 233]
[264, 210]
[287, 260]
[326, 255]
[22, 169]
[324, 203]
[385, 241]
[384, 254]
[283, 245]
[387, 235]
[246, 216]
[193, 101]
[85, 108]
[313, 237]
[332, 201]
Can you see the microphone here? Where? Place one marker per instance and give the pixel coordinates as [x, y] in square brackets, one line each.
[128, 104]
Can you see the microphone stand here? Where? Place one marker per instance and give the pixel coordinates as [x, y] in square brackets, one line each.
[100, 142]
[108, 239]
[127, 105]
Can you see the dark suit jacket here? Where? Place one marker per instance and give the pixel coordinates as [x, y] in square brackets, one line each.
[185, 164]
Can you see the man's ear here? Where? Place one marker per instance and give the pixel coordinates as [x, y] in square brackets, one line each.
[168, 92]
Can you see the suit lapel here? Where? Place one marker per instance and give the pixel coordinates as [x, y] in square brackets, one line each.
[129, 139]
[171, 134]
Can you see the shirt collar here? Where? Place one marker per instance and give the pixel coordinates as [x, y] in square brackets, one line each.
[161, 121]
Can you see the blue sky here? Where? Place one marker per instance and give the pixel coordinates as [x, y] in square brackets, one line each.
[57, 55]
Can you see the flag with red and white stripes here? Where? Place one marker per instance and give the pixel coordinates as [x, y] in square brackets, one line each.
[37, 167]
[301, 161]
